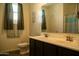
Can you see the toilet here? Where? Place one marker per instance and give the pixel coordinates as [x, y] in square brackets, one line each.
[24, 48]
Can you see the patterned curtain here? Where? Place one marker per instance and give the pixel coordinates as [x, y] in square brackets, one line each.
[20, 24]
[71, 25]
[8, 17]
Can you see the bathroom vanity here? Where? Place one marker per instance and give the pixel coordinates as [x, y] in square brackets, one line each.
[49, 46]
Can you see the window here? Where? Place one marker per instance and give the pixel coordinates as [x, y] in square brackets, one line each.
[15, 12]
[13, 16]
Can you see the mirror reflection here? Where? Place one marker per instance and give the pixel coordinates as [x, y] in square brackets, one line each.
[60, 17]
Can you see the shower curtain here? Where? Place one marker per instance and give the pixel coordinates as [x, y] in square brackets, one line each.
[71, 24]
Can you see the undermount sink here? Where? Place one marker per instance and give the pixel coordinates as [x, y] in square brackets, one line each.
[68, 43]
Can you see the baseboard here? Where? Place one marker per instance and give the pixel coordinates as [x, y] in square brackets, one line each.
[8, 50]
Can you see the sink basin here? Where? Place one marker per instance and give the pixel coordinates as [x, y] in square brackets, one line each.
[68, 43]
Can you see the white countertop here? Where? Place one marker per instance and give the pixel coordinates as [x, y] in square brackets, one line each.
[59, 41]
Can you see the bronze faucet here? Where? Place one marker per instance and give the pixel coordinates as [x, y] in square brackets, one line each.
[69, 38]
[46, 35]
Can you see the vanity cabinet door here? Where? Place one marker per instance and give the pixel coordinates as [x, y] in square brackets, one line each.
[32, 47]
[67, 52]
[49, 50]
[36, 48]
[39, 48]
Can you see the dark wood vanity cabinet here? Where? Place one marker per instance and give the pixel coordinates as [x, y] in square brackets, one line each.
[67, 52]
[36, 48]
[32, 47]
[39, 48]
[49, 50]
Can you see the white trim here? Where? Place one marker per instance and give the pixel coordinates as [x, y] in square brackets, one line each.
[9, 50]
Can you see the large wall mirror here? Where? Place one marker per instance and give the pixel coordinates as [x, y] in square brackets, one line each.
[60, 17]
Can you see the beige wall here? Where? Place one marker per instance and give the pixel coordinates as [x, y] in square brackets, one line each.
[7, 44]
[54, 17]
